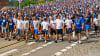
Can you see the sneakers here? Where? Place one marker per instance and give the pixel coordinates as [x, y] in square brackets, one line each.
[69, 41]
[26, 41]
[62, 39]
[14, 37]
[87, 38]
[80, 42]
[45, 41]
[18, 39]
[56, 41]
[5, 38]
[33, 37]
[2, 37]
[97, 35]
[37, 40]
[9, 39]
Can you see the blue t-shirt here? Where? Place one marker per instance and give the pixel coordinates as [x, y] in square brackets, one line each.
[4, 22]
[11, 25]
[0, 22]
[86, 20]
[78, 23]
[31, 23]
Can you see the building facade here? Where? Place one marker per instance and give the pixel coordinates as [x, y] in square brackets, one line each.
[4, 3]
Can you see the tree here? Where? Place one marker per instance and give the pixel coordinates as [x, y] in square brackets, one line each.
[16, 3]
[27, 2]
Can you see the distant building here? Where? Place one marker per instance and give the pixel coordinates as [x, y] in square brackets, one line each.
[4, 3]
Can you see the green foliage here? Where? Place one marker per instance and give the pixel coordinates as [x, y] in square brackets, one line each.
[16, 3]
[27, 2]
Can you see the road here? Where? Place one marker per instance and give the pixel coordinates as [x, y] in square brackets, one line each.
[89, 47]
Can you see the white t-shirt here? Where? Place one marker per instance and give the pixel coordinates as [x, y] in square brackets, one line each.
[45, 25]
[69, 23]
[52, 24]
[96, 21]
[15, 21]
[35, 22]
[25, 23]
[59, 23]
[19, 24]
[64, 18]
[99, 18]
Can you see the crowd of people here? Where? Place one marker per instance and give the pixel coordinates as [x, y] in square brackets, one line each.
[51, 18]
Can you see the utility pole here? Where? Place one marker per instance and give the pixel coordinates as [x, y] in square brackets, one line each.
[20, 3]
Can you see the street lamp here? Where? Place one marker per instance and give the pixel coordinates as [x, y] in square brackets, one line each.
[20, 3]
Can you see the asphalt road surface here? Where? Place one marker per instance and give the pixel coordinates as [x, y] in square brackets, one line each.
[89, 47]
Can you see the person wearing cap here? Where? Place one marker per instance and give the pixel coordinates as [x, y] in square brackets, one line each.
[11, 28]
[4, 26]
[59, 27]
[78, 24]
[36, 26]
[69, 23]
[44, 28]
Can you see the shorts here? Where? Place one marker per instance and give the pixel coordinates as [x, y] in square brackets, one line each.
[59, 31]
[19, 31]
[97, 28]
[68, 31]
[11, 30]
[25, 32]
[0, 27]
[44, 31]
[77, 31]
[86, 27]
[4, 30]
[35, 31]
[52, 31]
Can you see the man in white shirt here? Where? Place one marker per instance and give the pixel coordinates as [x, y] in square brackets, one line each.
[26, 28]
[59, 26]
[68, 24]
[97, 25]
[45, 28]
[19, 27]
[52, 25]
[36, 26]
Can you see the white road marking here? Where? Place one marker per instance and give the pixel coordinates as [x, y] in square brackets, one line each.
[31, 43]
[63, 50]
[25, 54]
[92, 32]
[6, 53]
[33, 50]
[72, 45]
[67, 48]
[50, 43]
[58, 53]
[38, 48]
[45, 45]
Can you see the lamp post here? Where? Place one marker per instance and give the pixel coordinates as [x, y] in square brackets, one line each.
[20, 3]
